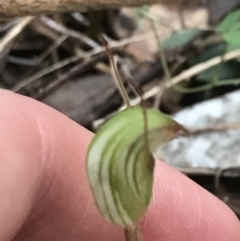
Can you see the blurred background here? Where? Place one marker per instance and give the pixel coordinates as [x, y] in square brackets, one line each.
[184, 54]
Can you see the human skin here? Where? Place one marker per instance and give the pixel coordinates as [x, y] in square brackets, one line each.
[45, 195]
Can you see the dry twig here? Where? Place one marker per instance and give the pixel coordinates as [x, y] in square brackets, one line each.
[71, 33]
[75, 70]
[207, 171]
[77, 57]
[14, 32]
[9, 9]
[44, 72]
[218, 128]
[37, 60]
[7, 40]
[185, 75]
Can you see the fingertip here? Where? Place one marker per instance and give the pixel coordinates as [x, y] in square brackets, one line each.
[183, 210]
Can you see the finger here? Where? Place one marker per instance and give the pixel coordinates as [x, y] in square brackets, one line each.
[43, 183]
[181, 210]
[56, 203]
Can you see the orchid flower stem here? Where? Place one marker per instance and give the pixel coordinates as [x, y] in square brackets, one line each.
[116, 72]
[133, 234]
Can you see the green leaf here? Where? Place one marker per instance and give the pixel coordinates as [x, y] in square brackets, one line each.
[231, 47]
[232, 38]
[230, 22]
[180, 38]
[226, 70]
[120, 169]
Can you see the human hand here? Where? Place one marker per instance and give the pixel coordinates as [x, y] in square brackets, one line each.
[45, 195]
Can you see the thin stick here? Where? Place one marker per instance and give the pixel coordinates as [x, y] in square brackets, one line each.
[98, 50]
[7, 40]
[187, 74]
[233, 172]
[15, 31]
[37, 60]
[164, 63]
[117, 74]
[71, 33]
[218, 128]
[44, 72]
[122, 43]
[78, 69]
